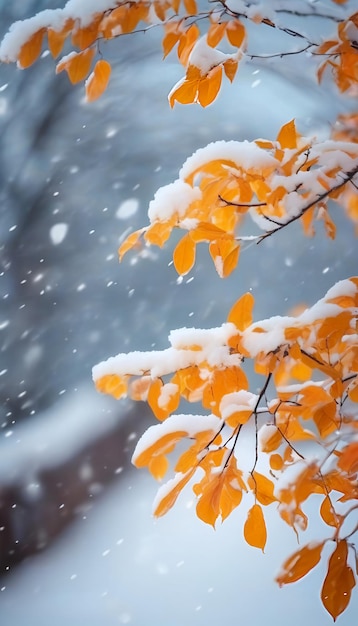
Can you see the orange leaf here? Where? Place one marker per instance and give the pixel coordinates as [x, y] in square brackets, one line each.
[348, 461]
[184, 255]
[287, 137]
[84, 37]
[158, 233]
[77, 65]
[353, 392]
[241, 313]
[339, 581]
[262, 487]
[276, 461]
[163, 445]
[112, 384]
[185, 93]
[31, 49]
[230, 68]
[56, 39]
[207, 508]
[97, 82]
[190, 7]
[209, 86]
[153, 399]
[273, 442]
[300, 563]
[255, 528]
[205, 231]
[171, 495]
[231, 260]
[328, 513]
[171, 37]
[129, 243]
[235, 32]
[158, 466]
[230, 498]
[186, 43]
[215, 34]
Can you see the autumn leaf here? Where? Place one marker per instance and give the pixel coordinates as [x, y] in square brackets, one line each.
[209, 86]
[184, 255]
[348, 460]
[130, 242]
[235, 32]
[255, 528]
[153, 399]
[300, 563]
[77, 65]
[339, 581]
[56, 39]
[97, 82]
[167, 497]
[241, 313]
[31, 49]
[262, 487]
[112, 384]
[287, 137]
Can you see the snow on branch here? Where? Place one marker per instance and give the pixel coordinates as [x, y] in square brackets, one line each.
[274, 183]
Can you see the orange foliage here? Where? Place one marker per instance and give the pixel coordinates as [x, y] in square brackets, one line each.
[308, 363]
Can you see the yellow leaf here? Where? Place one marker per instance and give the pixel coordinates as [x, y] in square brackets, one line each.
[339, 582]
[255, 528]
[241, 313]
[97, 83]
[300, 563]
[31, 49]
[287, 137]
[184, 255]
[209, 86]
[77, 65]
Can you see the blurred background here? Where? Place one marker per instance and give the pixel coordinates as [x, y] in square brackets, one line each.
[77, 540]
